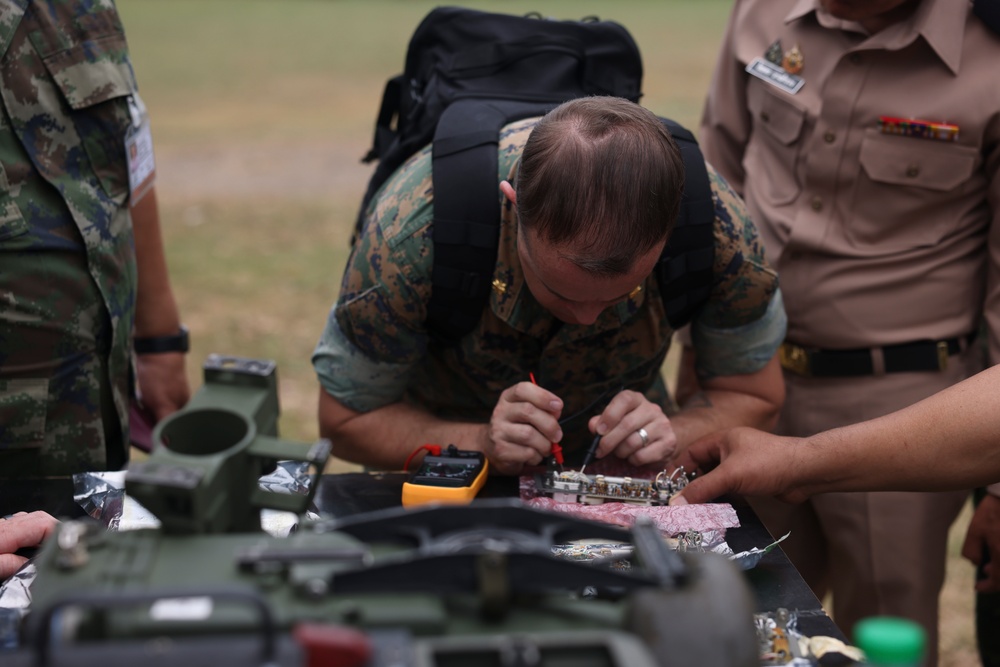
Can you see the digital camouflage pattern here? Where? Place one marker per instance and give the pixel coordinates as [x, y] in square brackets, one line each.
[67, 261]
[375, 349]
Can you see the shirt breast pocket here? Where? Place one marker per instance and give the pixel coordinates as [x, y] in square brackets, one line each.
[774, 153]
[95, 79]
[908, 190]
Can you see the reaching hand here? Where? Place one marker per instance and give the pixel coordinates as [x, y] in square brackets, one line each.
[633, 428]
[22, 530]
[744, 461]
[524, 425]
[163, 383]
[984, 534]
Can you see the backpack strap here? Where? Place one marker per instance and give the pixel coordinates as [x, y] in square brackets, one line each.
[684, 271]
[466, 229]
[467, 211]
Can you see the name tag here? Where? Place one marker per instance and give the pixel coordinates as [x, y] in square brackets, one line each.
[774, 75]
[139, 149]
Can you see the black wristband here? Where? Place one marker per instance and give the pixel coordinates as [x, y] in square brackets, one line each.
[179, 342]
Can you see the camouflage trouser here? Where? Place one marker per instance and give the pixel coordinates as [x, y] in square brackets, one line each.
[56, 406]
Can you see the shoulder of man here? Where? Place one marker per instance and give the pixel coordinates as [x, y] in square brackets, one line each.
[739, 255]
[404, 205]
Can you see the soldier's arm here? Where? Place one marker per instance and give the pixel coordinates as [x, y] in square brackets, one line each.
[161, 377]
[752, 399]
[730, 375]
[945, 442]
[383, 438]
[386, 436]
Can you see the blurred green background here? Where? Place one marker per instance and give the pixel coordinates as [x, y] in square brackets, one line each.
[261, 110]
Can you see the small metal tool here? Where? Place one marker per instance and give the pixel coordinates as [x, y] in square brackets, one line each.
[591, 451]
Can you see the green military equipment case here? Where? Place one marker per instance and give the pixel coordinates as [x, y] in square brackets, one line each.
[435, 586]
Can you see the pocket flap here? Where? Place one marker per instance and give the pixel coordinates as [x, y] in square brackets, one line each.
[782, 119]
[916, 162]
[92, 72]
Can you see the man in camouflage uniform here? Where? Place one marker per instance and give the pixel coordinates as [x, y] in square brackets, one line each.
[69, 277]
[577, 306]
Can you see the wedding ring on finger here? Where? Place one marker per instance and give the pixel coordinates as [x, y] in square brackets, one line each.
[645, 436]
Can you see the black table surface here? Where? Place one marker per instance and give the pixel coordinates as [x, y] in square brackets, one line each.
[775, 581]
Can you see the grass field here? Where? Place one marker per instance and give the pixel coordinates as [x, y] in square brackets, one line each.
[261, 110]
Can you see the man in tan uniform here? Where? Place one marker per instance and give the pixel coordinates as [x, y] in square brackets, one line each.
[865, 139]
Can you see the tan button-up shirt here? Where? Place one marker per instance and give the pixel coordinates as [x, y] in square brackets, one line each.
[878, 237]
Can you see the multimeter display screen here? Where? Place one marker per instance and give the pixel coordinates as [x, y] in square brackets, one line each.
[446, 471]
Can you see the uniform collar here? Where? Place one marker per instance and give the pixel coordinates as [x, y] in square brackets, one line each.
[512, 301]
[940, 22]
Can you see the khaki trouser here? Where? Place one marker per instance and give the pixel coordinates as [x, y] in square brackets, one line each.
[877, 553]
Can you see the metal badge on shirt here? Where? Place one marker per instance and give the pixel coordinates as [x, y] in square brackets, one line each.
[139, 149]
[780, 68]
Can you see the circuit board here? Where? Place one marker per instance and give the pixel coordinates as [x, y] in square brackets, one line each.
[572, 486]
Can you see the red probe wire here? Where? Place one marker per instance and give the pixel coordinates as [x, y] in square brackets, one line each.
[434, 450]
[557, 452]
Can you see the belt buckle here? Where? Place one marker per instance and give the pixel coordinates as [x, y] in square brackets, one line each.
[942, 354]
[794, 358]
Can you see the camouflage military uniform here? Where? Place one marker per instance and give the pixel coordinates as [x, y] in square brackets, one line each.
[375, 349]
[67, 261]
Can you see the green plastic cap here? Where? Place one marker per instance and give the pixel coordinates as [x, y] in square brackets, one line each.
[889, 641]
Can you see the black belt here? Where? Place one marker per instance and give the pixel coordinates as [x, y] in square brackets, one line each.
[921, 355]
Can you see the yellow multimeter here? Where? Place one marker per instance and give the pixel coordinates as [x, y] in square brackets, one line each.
[454, 476]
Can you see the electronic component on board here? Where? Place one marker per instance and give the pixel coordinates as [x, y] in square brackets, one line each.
[575, 487]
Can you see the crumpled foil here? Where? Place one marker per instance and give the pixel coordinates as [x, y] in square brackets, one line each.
[705, 523]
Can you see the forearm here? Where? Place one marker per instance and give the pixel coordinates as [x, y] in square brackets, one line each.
[709, 411]
[156, 309]
[747, 400]
[385, 437]
[947, 441]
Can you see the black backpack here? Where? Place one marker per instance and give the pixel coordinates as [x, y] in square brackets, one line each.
[468, 73]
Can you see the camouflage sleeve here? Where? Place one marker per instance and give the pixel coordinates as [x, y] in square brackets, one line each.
[375, 333]
[740, 328]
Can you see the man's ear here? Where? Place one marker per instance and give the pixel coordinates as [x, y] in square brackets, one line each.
[508, 191]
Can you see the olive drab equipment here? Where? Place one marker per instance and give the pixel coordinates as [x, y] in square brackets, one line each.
[467, 74]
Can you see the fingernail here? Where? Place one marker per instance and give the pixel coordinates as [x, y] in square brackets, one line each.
[555, 405]
[602, 428]
[559, 436]
[678, 500]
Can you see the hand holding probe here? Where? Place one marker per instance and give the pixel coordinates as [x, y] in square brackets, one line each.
[557, 453]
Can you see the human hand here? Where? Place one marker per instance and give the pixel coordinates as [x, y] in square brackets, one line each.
[983, 534]
[524, 425]
[163, 384]
[619, 427]
[744, 461]
[22, 530]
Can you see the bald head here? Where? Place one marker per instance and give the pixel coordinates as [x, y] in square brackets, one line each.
[601, 177]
